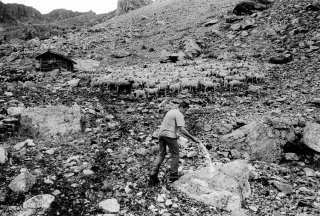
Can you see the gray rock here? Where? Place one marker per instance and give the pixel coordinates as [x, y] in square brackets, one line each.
[192, 49]
[223, 186]
[23, 182]
[142, 151]
[51, 122]
[3, 155]
[15, 111]
[311, 136]
[309, 172]
[110, 206]
[291, 157]
[27, 212]
[39, 202]
[19, 145]
[73, 82]
[285, 188]
[262, 139]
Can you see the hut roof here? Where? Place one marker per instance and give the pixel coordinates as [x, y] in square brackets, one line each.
[55, 53]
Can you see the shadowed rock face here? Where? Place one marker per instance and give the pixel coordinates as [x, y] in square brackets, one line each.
[124, 6]
[263, 139]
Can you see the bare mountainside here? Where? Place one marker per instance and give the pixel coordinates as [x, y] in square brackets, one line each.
[82, 142]
[161, 25]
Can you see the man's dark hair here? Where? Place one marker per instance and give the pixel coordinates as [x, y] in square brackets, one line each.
[184, 105]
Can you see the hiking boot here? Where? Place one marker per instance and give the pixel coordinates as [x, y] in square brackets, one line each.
[154, 180]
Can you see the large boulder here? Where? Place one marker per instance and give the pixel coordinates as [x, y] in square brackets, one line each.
[23, 182]
[311, 136]
[223, 186]
[262, 139]
[51, 122]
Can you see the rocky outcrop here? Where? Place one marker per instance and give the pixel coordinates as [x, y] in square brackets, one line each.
[223, 186]
[51, 122]
[263, 139]
[124, 6]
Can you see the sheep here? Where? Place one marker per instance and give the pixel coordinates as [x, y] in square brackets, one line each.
[191, 85]
[139, 93]
[150, 84]
[210, 85]
[260, 77]
[151, 91]
[235, 83]
[175, 88]
[124, 85]
[163, 86]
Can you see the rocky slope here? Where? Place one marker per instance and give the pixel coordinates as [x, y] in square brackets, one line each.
[104, 169]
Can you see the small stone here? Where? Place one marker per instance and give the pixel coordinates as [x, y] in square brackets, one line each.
[3, 155]
[88, 172]
[56, 192]
[161, 198]
[142, 151]
[48, 181]
[291, 157]
[68, 175]
[30, 143]
[309, 172]
[207, 128]
[8, 94]
[50, 152]
[19, 146]
[110, 206]
[285, 188]
[39, 202]
[253, 208]
[192, 154]
[168, 202]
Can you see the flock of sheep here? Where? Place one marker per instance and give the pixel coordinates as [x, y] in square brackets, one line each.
[169, 79]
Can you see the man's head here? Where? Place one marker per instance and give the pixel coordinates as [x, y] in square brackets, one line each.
[183, 106]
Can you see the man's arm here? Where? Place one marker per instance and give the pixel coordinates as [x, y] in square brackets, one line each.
[184, 131]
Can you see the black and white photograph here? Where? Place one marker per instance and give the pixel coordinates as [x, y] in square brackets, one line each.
[159, 107]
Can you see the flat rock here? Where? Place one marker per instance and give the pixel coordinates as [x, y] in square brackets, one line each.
[222, 186]
[39, 202]
[23, 182]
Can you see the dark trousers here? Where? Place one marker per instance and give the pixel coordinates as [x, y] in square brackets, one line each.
[173, 149]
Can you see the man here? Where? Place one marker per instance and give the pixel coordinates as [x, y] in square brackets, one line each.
[172, 124]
